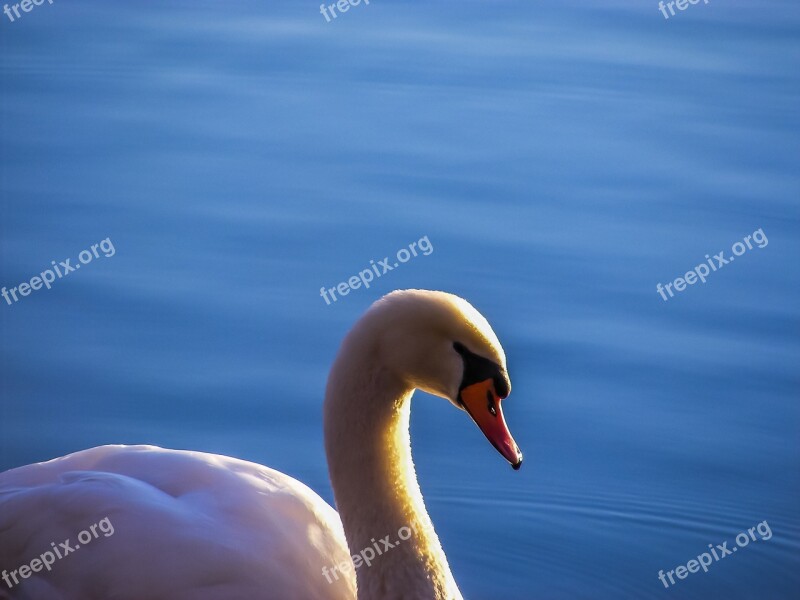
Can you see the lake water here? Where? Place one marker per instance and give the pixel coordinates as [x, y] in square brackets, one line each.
[562, 160]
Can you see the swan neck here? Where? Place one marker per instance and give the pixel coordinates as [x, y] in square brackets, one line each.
[367, 441]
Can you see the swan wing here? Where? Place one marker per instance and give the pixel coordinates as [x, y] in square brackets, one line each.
[166, 525]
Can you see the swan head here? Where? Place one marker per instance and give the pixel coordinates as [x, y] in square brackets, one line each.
[438, 343]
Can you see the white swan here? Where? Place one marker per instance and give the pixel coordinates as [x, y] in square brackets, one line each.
[143, 523]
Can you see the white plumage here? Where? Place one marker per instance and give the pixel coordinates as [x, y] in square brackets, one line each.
[186, 526]
[196, 526]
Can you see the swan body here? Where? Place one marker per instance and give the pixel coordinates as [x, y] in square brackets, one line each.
[196, 526]
[186, 526]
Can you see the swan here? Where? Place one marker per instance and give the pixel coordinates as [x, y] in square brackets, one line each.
[146, 523]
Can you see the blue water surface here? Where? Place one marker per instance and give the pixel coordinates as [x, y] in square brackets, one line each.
[561, 158]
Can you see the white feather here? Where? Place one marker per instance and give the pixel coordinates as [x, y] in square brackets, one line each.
[196, 526]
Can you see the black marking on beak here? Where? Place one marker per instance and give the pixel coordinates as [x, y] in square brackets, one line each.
[478, 368]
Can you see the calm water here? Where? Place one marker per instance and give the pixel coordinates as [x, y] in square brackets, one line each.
[562, 160]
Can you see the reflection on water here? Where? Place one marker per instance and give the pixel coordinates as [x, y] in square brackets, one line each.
[563, 160]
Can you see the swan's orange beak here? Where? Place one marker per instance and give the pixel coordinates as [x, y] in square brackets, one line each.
[483, 404]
